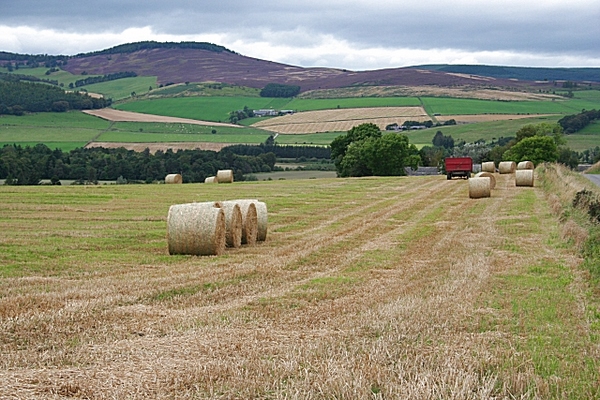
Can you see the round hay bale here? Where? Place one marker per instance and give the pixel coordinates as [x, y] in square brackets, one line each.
[196, 229]
[524, 177]
[525, 165]
[488, 167]
[249, 220]
[479, 187]
[233, 223]
[173, 178]
[507, 167]
[225, 176]
[487, 175]
[211, 179]
[263, 220]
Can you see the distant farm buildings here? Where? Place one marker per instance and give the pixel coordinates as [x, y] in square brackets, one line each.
[271, 113]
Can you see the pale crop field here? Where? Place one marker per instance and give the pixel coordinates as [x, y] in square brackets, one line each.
[341, 120]
[398, 287]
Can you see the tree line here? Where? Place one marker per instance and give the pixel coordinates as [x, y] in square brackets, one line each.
[150, 45]
[279, 90]
[18, 97]
[28, 165]
[575, 123]
[295, 152]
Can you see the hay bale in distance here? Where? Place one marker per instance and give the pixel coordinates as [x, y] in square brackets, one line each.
[196, 229]
[479, 187]
[487, 175]
[249, 220]
[263, 220]
[233, 223]
[225, 176]
[488, 167]
[524, 177]
[211, 179]
[525, 165]
[173, 178]
[507, 167]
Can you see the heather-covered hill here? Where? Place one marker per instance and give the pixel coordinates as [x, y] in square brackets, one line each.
[177, 65]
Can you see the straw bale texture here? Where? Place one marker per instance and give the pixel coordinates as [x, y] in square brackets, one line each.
[211, 179]
[263, 220]
[507, 167]
[233, 223]
[488, 167]
[225, 176]
[173, 178]
[525, 165]
[487, 175]
[196, 229]
[249, 220]
[524, 177]
[479, 187]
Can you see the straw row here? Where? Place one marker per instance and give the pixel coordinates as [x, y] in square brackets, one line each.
[207, 228]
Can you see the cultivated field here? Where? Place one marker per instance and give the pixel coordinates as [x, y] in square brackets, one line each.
[341, 120]
[365, 288]
[466, 92]
[111, 114]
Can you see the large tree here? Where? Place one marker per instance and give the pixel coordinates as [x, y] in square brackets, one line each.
[364, 151]
[536, 149]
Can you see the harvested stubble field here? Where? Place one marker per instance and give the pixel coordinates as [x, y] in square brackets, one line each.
[365, 288]
[341, 120]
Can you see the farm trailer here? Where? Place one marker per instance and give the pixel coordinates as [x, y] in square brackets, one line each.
[458, 166]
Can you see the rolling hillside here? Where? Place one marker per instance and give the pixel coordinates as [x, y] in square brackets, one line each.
[202, 62]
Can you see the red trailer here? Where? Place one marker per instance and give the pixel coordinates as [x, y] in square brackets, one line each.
[458, 166]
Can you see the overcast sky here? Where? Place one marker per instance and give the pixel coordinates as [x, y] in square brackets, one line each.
[351, 34]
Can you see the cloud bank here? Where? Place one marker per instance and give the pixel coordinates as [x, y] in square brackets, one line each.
[351, 34]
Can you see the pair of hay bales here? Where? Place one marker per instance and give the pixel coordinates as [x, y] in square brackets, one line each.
[207, 228]
[223, 176]
[482, 184]
[523, 173]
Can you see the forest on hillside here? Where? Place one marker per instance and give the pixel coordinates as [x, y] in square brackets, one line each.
[19, 97]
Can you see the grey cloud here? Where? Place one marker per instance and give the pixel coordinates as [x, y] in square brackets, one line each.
[486, 26]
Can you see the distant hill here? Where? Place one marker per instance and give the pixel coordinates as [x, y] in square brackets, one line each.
[522, 73]
[204, 62]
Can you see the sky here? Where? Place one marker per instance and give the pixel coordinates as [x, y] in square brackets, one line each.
[350, 34]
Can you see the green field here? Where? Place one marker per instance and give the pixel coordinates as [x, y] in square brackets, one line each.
[445, 106]
[473, 132]
[122, 88]
[72, 129]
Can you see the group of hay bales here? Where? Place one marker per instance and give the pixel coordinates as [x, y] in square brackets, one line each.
[485, 181]
[207, 228]
[223, 176]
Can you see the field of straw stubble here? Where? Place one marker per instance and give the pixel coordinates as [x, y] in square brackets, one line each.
[364, 288]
